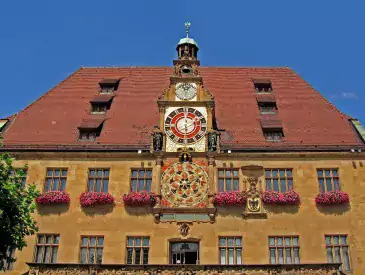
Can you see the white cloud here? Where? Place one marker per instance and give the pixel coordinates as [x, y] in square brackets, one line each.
[349, 95]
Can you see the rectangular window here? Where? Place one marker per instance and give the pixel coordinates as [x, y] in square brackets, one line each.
[47, 248]
[88, 135]
[56, 179]
[284, 250]
[328, 180]
[228, 179]
[141, 180]
[8, 262]
[137, 250]
[273, 135]
[91, 249]
[230, 250]
[268, 107]
[107, 89]
[99, 108]
[23, 177]
[98, 180]
[337, 250]
[279, 180]
[263, 87]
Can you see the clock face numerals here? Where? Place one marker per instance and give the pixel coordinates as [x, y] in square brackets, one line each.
[185, 91]
[185, 125]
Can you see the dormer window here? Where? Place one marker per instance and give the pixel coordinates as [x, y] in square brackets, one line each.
[274, 135]
[108, 86]
[263, 86]
[272, 129]
[88, 135]
[100, 104]
[99, 108]
[90, 129]
[267, 108]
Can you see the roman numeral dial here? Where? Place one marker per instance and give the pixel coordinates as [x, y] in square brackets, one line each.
[185, 125]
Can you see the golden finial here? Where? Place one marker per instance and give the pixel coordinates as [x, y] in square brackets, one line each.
[187, 26]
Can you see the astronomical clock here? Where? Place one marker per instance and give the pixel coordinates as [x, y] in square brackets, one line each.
[186, 109]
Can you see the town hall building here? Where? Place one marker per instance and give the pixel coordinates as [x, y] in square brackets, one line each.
[192, 169]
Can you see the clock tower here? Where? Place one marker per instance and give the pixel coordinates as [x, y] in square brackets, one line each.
[186, 107]
[185, 141]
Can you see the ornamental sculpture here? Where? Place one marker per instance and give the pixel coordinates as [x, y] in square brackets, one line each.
[184, 229]
[157, 141]
[212, 142]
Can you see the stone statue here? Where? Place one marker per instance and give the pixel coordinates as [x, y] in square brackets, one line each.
[212, 142]
[157, 141]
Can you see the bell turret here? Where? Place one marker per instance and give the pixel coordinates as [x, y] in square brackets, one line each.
[187, 48]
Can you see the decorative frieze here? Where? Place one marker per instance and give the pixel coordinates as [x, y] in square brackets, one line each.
[104, 269]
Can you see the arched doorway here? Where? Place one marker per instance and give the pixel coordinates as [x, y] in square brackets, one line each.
[184, 252]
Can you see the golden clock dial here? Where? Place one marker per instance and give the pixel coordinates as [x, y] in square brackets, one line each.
[185, 91]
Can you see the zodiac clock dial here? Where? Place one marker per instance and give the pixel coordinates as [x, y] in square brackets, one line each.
[185, 91]
[185, 125]
[184, 184]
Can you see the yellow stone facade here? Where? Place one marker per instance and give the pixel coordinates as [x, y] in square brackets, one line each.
[115, 223]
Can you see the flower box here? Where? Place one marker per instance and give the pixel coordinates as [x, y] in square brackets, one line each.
[53, 197]
[140, 198]
[88, 199]
[278, 198]
[230, 198]
[332, 197]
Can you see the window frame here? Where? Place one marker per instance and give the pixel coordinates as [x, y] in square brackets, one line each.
[341, 250]
[232, 178]
[324, 177]
[7, 264]
[90, 247]
[227, 247]
[91, 135]
[269, 87]
[265, 105]
[141, 247]
[44, 245]
[100, 108]
[283, 247]
[24, 178]
[131, 178]
[267, 132]
[279, 178]
[96, 178]
[60, 177]
[107, 89]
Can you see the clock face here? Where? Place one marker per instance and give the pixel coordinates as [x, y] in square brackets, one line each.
[185, 125]
[184, 184]
[186, 91]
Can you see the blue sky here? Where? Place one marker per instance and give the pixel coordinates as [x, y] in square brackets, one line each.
[42, 42]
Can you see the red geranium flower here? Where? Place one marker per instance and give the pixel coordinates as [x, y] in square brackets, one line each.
[332, 197]
[53, 197]
[278, 198]
[230, 198]
[140, 198]
[95, 198]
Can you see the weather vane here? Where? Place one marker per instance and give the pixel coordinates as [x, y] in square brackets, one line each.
[187, 26]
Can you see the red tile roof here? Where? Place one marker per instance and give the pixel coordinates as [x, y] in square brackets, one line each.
[307, 118]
